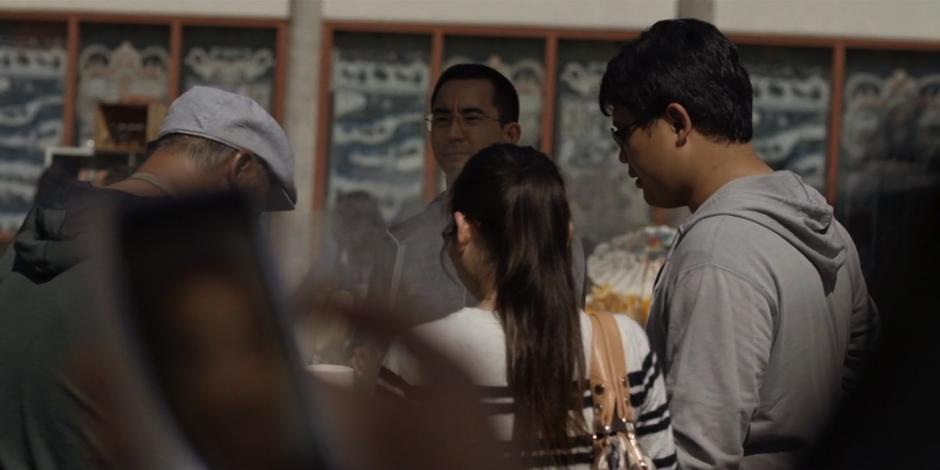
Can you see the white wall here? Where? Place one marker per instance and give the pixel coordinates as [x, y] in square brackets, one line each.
[266, 9]
[898, 19]
[607, 14]
[891, 19]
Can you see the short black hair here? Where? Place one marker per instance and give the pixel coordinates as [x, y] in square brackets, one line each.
[689, 62]
[505, 97]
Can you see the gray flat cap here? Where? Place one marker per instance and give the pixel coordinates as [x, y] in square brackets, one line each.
[239, 122]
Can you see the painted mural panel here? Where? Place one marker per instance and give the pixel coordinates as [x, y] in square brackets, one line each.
[239, 60]
[520, 60]
[889, 177]
[378, 90]
[119, 62]
[792, 93]
[32, 75]
[605, 203]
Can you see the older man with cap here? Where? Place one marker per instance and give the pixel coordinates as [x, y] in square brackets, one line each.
[211, 140]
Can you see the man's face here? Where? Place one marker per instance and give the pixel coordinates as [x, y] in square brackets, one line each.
[464, 121]
[652, 158]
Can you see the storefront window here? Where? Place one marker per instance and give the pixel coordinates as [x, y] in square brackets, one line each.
[32, 84]
[792, 93]
[119, 63]
[378, 93]
[239, 60]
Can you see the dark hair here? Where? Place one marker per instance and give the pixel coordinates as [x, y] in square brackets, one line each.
[689, 62]
[515, 199]
[206, 153]
[505, 97]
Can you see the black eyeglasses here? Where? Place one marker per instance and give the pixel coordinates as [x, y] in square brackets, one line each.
[622, 134]
[467, 120]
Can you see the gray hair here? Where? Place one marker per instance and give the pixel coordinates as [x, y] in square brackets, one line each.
[205, 153]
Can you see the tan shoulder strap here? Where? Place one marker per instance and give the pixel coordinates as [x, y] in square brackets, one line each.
[610, 387]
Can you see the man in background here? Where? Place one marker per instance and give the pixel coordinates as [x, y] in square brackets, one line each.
[473, 106]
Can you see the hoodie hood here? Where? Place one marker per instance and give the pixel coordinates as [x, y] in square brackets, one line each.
[53, 238]
[782, 203]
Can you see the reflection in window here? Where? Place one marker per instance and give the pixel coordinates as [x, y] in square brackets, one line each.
[119, 62]
[32, 75]
[604, 201]
[239, 60]
[520, 60]
[889, 176]
[378, 90]
[791, 104]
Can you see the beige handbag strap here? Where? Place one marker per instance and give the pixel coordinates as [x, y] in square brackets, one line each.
[609, 384]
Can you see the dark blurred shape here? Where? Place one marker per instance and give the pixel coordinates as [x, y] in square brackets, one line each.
[215, 344]
[893, 421]
[210, 331]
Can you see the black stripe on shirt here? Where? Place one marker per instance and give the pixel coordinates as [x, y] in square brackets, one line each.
[639, 376]
[646, 382]
[666, 462]
[654, 428]
[654, 414]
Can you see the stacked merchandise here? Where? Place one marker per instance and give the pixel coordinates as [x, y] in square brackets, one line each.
[623, 270]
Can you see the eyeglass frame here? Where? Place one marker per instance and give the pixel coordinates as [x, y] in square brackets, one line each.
[460, 118]
[621, 135]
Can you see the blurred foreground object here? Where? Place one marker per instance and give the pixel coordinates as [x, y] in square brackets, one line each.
[206, 321]
[210, 333]
[623, 270]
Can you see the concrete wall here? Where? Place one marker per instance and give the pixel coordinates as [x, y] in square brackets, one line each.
[889, 19]
[291, 231]
[897, 19]
[227, 8]
[608, 14]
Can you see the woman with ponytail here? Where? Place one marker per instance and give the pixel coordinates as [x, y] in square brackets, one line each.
[525, 345]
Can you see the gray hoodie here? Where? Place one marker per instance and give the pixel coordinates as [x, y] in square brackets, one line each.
[763, 319]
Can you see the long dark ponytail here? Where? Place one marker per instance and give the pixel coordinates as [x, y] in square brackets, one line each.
[515, 198]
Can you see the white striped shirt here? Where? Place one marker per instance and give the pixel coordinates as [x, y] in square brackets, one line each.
[474, 339]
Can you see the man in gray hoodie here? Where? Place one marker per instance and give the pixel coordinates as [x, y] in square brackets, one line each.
[760, 315]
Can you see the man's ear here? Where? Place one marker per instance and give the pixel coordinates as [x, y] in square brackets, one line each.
[512, 132]
[680, 121]
[240, 164]
[464, 231]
